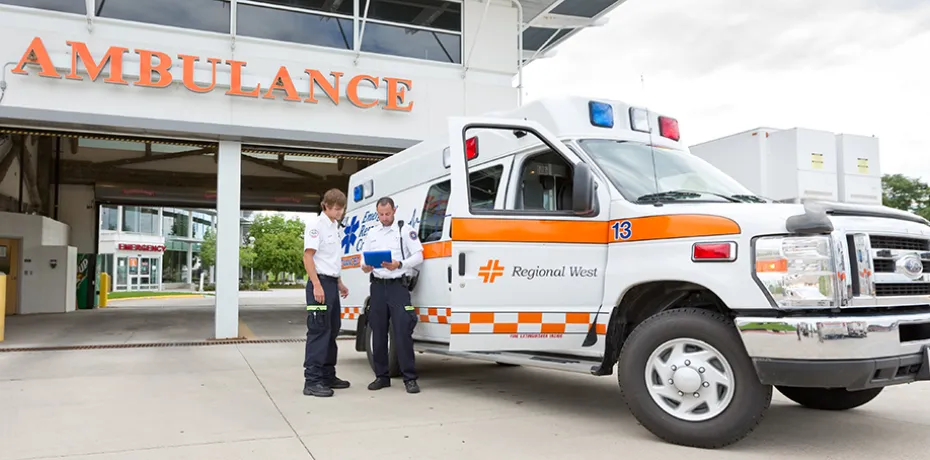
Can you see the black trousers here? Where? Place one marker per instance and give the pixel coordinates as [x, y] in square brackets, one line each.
[390, 301]
[323, 325]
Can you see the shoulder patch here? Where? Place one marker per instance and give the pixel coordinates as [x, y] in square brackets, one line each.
[314, 233]
[413, 235]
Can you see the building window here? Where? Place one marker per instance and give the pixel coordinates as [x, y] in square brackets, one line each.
[175, 223]
[65, 6]
[421, 29]
[131, 219]
[207, 15]
[291, 25]
[109, 218]
[148, 221]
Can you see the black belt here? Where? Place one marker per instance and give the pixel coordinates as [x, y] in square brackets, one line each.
[375, 279]
[327, 277]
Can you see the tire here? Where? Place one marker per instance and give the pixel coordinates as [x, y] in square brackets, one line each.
[507, 364]
[829, 398]
[393, 364]
[741, 400]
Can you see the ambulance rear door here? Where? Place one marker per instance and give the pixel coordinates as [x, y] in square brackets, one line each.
[528, 274]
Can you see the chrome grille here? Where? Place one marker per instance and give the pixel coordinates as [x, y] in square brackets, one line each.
[888, 270]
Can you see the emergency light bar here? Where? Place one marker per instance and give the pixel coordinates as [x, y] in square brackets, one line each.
[471, 151]
[601, 114]
[362, 191]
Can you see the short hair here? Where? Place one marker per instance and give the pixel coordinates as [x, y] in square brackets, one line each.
[334, 197]
[385, 200]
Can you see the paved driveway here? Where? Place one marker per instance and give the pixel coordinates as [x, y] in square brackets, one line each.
[244, 402]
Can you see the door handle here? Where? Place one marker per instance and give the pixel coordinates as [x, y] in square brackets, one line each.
[461, 264]
[450, 273]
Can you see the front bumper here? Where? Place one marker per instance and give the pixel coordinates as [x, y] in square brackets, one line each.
[852, 352]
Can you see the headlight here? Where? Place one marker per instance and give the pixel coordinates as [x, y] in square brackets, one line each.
[797, 271]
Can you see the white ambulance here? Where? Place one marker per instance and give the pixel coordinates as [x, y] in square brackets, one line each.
[578, 235]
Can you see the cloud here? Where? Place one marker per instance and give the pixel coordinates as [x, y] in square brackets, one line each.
[725, 66]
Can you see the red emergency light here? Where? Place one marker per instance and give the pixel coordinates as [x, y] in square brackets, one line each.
[471, 148]
[668, 127]
[713, 252]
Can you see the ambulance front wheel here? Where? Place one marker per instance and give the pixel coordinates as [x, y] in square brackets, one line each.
[393, 364]
[686, 377]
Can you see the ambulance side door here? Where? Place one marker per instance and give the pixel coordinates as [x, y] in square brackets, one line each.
[527, 275]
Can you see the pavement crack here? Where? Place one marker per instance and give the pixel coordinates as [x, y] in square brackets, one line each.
[275, 404]
[142, 449]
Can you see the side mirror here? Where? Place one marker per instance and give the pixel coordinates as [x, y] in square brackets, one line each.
[583, 196]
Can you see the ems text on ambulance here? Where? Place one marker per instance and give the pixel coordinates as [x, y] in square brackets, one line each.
[578, 235]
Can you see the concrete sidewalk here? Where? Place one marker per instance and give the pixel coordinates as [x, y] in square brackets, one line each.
[245, 402]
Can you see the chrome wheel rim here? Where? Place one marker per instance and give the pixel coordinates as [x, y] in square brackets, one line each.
[690, 380]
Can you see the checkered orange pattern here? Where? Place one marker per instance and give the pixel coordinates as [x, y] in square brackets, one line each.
[527, 323]
[505, 323]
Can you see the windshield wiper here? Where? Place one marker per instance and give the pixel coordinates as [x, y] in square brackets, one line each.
[682, 194]
[751, 198]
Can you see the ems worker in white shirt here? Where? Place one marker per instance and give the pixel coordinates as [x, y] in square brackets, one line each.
[323, 261]
[390, 295]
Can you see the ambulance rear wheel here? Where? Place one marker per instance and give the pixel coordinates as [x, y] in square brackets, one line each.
[829, 398]
[393, 364]
[686, 377]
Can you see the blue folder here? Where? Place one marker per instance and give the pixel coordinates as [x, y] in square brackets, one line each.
[375, 258]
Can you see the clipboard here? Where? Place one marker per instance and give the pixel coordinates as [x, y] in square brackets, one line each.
[375, 258]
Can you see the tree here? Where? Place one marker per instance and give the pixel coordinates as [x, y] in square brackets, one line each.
[278, 244]
[208, 251]
[907, 194]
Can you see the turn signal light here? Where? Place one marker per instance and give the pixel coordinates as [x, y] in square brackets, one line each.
[713, 252]
[772, 266]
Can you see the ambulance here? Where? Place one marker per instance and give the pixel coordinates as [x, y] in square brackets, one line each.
[581, 235]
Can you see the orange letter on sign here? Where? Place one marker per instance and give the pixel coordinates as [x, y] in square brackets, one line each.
[282, 80]
[187, 63]
[331, 89]
[352, 91]
[235, 81]
[37, 54]
[114, 56]
[396, 95]
[163, 69]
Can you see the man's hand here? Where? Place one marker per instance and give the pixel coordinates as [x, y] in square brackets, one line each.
[367, 268]
[318, 294]
[343, 290]
[392, 265]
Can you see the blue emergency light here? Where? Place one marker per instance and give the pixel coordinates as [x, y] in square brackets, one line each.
[358, 193]
[601, 114]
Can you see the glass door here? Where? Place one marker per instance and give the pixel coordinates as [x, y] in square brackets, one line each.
[122, 274]
[133, 273]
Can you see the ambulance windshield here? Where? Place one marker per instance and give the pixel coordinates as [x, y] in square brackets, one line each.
[649, 174]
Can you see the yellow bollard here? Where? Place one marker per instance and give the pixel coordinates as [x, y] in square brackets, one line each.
[2, 305]
[104, 289]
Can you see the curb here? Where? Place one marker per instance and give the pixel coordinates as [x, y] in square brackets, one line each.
[180, 296]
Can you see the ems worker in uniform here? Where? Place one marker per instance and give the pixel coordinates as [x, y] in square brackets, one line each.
[323, 262]
[390, 296]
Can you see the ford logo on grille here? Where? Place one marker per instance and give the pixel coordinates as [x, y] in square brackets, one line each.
[911, 266]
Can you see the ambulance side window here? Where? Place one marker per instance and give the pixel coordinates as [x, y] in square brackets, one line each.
[544, 183]
[484, 184]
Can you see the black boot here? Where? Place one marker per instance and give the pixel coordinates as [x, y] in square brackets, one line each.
[338, 384]
[412, 386]
[317, 389]
[379, 384]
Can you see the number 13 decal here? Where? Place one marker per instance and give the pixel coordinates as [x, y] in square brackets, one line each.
[623, 230]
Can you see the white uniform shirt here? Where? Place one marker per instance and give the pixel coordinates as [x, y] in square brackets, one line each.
[382, 238]
[324, 235]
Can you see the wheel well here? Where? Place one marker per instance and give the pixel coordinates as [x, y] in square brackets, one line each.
[645, 300]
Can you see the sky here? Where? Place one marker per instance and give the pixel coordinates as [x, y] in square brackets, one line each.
[726, 66]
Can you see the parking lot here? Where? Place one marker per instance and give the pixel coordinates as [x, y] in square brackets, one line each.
[245, 402]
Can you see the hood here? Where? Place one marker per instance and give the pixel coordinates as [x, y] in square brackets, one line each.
[816, 217]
